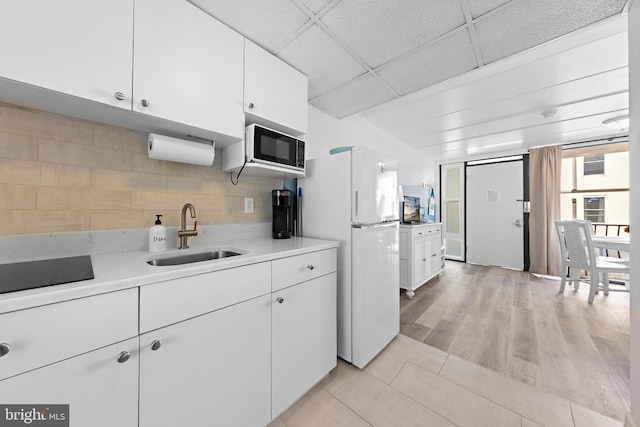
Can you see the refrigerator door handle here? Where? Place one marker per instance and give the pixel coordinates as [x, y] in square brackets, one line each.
[357, 197]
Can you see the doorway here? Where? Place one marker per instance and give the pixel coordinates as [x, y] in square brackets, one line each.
[497, 212]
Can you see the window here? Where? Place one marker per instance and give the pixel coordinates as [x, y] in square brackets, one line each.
[594, 209]
[594, 165]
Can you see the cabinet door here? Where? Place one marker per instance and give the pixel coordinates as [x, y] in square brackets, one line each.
[187, 67]
[77, 47]
[304, 338]
[419, 261]
[428, 257]
[210, 370]
[100, 390]
[274, 91]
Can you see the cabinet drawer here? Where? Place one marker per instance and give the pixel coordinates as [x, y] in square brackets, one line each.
[300, 268]
[173, 301]
[43, 335]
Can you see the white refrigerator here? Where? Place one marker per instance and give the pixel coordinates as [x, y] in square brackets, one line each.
[352, 197]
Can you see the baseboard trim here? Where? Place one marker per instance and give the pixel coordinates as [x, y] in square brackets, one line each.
[628, 421]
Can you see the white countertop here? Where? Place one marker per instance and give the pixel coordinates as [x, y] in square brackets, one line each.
[122, 270]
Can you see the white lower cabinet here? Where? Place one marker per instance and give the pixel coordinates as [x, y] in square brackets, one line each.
[235, 347]
[304, 344]
[420, 255]
[100, 387]
[212, 370]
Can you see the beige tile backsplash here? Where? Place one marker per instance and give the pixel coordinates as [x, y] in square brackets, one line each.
[59, 174]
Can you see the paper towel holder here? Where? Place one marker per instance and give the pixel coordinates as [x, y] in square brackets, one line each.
[198, 138]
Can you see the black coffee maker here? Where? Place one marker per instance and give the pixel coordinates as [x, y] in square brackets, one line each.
[282, 214]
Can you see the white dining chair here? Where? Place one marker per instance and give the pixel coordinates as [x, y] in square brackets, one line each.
[578, 253]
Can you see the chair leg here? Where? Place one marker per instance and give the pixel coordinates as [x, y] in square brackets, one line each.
[575, 278]
[563, 281]
[605, 283]
[593, 289]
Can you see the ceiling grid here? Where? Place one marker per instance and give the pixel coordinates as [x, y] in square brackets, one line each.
[365, 56]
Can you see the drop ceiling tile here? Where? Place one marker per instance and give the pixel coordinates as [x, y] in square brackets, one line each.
[447, 57]
[480, 7]
[356, 96]
[315, 6]
[318, 56]
[381, 30]
[267, 23]
[523, 24]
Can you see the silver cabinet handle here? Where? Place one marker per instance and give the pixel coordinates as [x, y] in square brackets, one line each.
[4, 349]
[250, 106]
[310, 267]
[123, 356]
[280, 300]
[156, 344]
[145, 103]
[119, 96]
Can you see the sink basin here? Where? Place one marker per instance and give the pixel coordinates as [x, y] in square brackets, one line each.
[192, 257]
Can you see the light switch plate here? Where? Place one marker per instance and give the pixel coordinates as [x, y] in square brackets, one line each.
[248, 205]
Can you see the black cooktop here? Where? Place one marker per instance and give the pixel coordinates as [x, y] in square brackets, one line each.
[20, 276]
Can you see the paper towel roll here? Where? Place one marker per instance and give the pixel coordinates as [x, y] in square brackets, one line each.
[161, 147]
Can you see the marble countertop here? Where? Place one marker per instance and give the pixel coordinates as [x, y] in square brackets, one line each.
[122, 270]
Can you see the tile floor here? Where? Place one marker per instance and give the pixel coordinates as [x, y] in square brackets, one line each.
[413, 384]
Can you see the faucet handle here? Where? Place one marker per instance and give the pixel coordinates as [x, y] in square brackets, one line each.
[195, 225]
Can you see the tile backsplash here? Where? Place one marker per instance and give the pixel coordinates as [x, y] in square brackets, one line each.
[63, 175]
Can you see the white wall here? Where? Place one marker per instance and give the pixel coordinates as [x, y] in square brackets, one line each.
[326, 132]
[634, 216]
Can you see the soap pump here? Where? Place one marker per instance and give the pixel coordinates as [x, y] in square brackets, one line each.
[158, 236]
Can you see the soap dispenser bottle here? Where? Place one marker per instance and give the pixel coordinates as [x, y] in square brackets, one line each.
[158, 236]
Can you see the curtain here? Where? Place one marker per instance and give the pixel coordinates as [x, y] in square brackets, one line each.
[545, 164]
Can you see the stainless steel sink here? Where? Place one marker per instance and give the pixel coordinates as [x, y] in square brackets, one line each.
[192, 257]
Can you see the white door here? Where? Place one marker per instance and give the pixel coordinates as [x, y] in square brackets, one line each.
[100, 387]
[375, 290]
[187, 66]
[374, 180]
[495, 232]
[215, 367]
[81, 48]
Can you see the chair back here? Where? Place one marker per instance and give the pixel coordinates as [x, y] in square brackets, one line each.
[579, 247]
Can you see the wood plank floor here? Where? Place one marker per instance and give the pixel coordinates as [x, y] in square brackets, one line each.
[519, 325]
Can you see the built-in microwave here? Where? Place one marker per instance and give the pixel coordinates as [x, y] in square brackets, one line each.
[270, 147]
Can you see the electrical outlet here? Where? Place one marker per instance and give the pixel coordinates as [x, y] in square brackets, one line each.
[248, 205]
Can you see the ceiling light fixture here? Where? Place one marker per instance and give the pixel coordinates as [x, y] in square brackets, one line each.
[547, 114]
[621, 123]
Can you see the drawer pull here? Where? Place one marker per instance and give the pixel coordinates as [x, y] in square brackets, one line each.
[310, 267]
[123, 356]
[4, 349]
[280, 300]
[119, 96]
[251, 106]
[145, 103]
[156, 344]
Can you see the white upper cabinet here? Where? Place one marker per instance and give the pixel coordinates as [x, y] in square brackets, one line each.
[275, 94]
[187, 67]
[77, 47]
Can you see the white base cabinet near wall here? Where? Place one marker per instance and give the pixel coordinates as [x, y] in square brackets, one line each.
[77, 353]
[233, 347]
[99, 390]
[304, 322]
[420, 255]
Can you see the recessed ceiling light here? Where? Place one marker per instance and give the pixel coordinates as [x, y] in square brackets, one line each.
[621, 123]
[547, 114]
